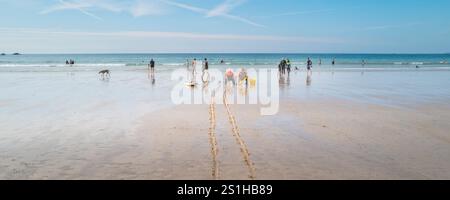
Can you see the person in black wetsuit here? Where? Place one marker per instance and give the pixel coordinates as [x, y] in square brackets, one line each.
[309, 64]
[288, 66]
[279, 67]
[152, 66]
[205, 71]
[206, 64]
[283, 66]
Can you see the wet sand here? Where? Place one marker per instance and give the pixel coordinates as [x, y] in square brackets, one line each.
[108, 136]
[309, 142]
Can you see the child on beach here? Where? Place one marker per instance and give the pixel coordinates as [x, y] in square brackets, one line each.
[229, 76]
[243, 76]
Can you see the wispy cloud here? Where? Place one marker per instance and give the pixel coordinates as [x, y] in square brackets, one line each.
[384, 27]
[63, 5]
[136, 8]
[298, 13]
[224, 8]
[171, 35]
[221, 10]
[145, 8]
[186, 7]
[139, 8]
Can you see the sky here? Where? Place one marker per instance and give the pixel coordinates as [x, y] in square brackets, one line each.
[225, 26]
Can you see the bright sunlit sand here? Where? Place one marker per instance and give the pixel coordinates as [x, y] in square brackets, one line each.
[338, 125]
[225, 90]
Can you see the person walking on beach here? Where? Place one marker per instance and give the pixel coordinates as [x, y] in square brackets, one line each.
[205, 74]
[309, 64]
[288, 62]
[188, 63]
[320, 61]
[283, 66]
[279, 68]
[151, 66]
[205, 65]
[194, 71]
[194, 65]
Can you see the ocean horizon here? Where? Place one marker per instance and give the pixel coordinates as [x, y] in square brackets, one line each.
[169, 61]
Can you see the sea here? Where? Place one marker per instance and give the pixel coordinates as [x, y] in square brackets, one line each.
[168, 62]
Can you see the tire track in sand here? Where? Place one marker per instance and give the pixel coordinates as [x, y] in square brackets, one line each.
[213, 139]
[244, 150]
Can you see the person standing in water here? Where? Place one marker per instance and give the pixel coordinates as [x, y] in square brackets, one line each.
[194, 71]
[205, 71]
[152, 66]
[283, 66]
[320, 61]
[188, 63]
[205, 64]
[194, 63]
[334, 61]
[309, 64]
[279, 68]
[288, 62]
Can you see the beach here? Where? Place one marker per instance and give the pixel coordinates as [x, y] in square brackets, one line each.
[348, 123]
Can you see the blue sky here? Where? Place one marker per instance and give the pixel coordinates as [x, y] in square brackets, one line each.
[159, 26]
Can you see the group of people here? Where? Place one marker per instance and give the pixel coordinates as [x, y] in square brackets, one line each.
[242, 77]
[191, 67]
[193, 63]
[285, 65]
[230, 76]
[70, 62]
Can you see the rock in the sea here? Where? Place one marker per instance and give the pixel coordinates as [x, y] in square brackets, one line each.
[16, 54]
[3, 54]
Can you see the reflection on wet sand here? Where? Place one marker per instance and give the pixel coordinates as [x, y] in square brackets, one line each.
[308, 78]
[152, 78]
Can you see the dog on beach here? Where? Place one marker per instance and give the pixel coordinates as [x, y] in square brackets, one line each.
[105, 73]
